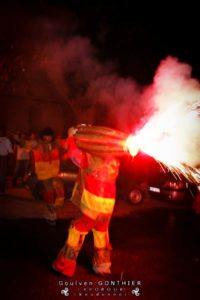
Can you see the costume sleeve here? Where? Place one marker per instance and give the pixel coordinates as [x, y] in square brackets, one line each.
[77, 156]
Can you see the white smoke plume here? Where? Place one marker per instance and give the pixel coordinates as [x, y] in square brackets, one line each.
[176, 121]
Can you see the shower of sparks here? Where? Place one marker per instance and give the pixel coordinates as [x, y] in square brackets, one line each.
[163, 138]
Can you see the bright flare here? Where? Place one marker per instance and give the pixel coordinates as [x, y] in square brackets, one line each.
[163, 137]
[132, 145]
[172, 134]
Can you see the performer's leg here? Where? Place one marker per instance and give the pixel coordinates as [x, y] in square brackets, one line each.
[65, 262]
[58, 191]
[102, 247]
[48, 197]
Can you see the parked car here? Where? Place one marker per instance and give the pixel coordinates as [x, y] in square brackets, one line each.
[143, 176]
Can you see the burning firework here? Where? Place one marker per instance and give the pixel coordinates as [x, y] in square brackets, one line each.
[155, 139]
[163, 139]
[172, 134]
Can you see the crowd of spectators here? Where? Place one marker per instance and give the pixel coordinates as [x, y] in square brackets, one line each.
[35, 162]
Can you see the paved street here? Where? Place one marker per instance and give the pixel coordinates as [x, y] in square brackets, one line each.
[156, 249]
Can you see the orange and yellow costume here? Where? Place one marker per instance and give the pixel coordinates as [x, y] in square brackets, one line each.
[94, 193]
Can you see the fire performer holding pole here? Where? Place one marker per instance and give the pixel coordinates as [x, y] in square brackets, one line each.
[95, 150]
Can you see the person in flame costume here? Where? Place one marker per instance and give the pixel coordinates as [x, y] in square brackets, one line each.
[46, 163]
[94, 193]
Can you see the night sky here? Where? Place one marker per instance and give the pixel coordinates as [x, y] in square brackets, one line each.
[134, 37]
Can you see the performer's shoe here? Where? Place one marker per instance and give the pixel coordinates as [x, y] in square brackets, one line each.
[64, 266]
[102, 270]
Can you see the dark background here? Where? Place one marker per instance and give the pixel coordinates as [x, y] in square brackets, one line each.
[132, 38]
[136, 36]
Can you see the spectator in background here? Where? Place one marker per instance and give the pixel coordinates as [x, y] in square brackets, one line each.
[5, 150]
[32, 141]
[22, 159]
[46, 164]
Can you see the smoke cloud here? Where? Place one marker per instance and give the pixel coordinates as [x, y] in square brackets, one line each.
[175, 96]
[72, 68]
[52, 61]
